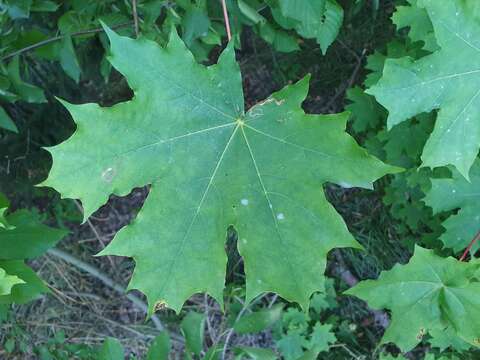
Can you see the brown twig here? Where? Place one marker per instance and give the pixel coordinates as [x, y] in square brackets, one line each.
[59, 37]
[227, 21]
[469, 247]
[135, 17]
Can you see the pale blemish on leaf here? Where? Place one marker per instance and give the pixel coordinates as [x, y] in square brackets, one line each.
[108, 175]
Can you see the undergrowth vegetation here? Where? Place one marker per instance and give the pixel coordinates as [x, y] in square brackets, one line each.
[263, 179]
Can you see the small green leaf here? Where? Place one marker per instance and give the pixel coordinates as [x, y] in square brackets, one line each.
[319, 19]
[259, 320]
[195, 24]
[250, 12]
[4, 224]
[7, 282]
[159, 348]
[458, 193]
[27, 291]
[256, 353]
[44, 6]
[321, 338]
[28, 92]
[111, 349]
[68, 59]
[4, 310]
[9, 345]
[292, 344]
[214, 353]
[28, 238]
[17, 9]
[309, 355]
[418, 22]
[293, 319]
[193, 325]
[72, 21]
[6, 122]
[279, 39]
[367, 113]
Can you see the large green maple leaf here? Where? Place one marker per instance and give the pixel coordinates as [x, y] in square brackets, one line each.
[211, 165]
[458, 193]
[430, 294]
[448, 79]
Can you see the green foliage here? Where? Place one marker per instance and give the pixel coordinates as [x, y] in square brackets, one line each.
[440, 81]
[452, 194]
[403, 146]
[192, 328]
[111, 349]
[7, 282]
[6, 122]
[255, 177]
[319, 19]
[28, 237]
[160, 347]
[245, 173]
[31, 287]
[428, 295]
[23, 236]
[258, 321]
[417, 20]
[255, 353]
[301, 335]
[300, 341]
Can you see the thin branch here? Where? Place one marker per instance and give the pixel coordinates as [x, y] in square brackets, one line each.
[227, 21]
[135, 17]
[469, 247]
[59, 37]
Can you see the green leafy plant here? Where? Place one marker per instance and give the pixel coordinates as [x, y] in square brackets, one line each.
[22, 237]
[411, 87]
[244, 200]
[430, 295]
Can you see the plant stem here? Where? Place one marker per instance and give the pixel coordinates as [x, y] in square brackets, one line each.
[135, 17]
[469, 247]
[227, 21]
[59, 37]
